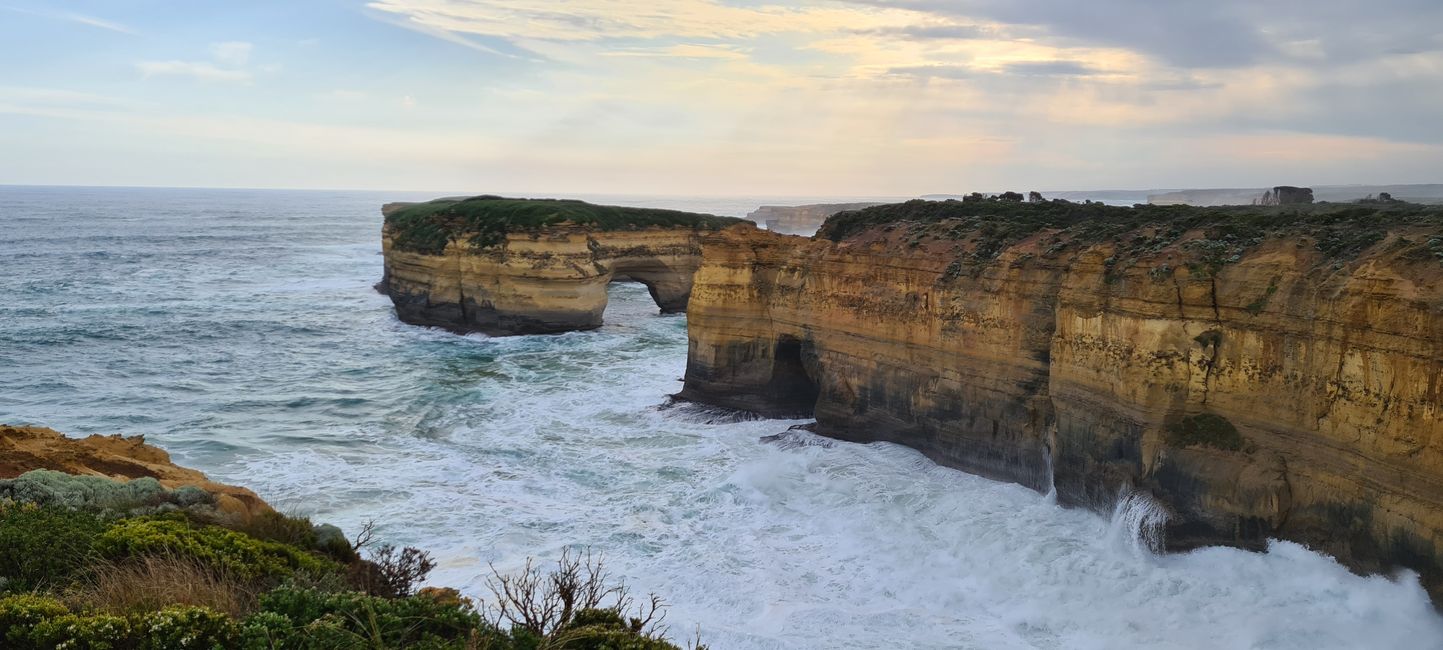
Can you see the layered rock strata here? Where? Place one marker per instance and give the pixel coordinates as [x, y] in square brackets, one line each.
[539, 279]
[1259, 382]
[23, 449]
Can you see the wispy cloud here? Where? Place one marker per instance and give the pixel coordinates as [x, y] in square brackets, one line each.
[684, 51]
[228, 63]
[202, 70]
[80, 19]
[234, 54]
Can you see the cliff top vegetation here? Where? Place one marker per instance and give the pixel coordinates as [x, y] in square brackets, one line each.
[486, 220]
[992, 224]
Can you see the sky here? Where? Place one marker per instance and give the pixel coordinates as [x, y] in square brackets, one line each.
[721, 97]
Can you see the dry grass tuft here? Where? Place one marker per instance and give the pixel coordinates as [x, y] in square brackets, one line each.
[154, 582]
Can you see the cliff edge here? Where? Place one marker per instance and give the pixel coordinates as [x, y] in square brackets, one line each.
[532, 266]
[1261, 372]
[23, 449]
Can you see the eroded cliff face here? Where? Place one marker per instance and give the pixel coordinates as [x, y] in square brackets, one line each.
[1282, 393]
[537, 283]
[23, 449]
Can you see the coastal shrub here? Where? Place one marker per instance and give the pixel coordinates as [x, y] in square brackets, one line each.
[44, 546]
[268, 631]
[48, 627]
[575, 605]
[177, 628]
[20, 613]
[237, 553]
[297, 531]
[103, 495]
[157, 582]
[273, 526]
[353, 619]
[392, 573]
[91, 632]
[429, 227]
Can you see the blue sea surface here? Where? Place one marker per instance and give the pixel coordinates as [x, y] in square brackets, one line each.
[239, 330]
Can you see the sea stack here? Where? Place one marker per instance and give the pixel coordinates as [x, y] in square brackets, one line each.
[533, 266]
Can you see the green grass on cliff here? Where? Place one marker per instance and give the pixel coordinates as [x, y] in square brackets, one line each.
[1337, 230]
[486, 220]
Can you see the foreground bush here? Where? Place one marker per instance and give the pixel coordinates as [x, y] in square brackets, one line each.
[84, 571]
[29, 622]
[221, 549]
[44, 546]
[353, 619]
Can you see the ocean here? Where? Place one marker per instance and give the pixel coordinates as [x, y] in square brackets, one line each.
[239, 330]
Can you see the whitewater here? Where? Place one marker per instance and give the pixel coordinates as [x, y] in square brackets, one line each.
[239, 330]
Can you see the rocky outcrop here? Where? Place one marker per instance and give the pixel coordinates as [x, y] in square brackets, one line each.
[1286, 195]
[1259, 379]
[544, 276]
[23, 449]
[800, 219]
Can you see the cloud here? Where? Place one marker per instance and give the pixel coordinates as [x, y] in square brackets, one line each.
[233, 54]
[80, 19]
[228, 63]
[41, 98]
[202, 70]
[935, 31]
[601, 20]
[934, 71]
[684, 51]
[1213, 34]
[1049, 68]
[97, 22]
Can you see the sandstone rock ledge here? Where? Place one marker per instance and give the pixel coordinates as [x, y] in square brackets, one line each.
[515, 266]
[23, 449]
[1261, 372]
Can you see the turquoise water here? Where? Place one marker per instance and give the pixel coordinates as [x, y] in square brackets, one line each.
[239, 330]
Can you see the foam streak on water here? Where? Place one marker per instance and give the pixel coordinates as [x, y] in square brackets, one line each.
[239, 330]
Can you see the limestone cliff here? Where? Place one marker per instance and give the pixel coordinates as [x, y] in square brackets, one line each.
[1262, 372]
[23, 449]
[505, 266]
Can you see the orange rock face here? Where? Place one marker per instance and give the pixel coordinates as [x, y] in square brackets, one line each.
[538, 283]
[1283, 394]
[23, 449]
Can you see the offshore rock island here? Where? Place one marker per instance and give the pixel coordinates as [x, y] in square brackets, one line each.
[1261, 372]
[533, 266]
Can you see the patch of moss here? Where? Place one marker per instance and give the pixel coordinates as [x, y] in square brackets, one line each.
[486, 220]
[1206, 430]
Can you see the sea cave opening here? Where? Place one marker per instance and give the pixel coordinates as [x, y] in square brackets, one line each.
[793, 389]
